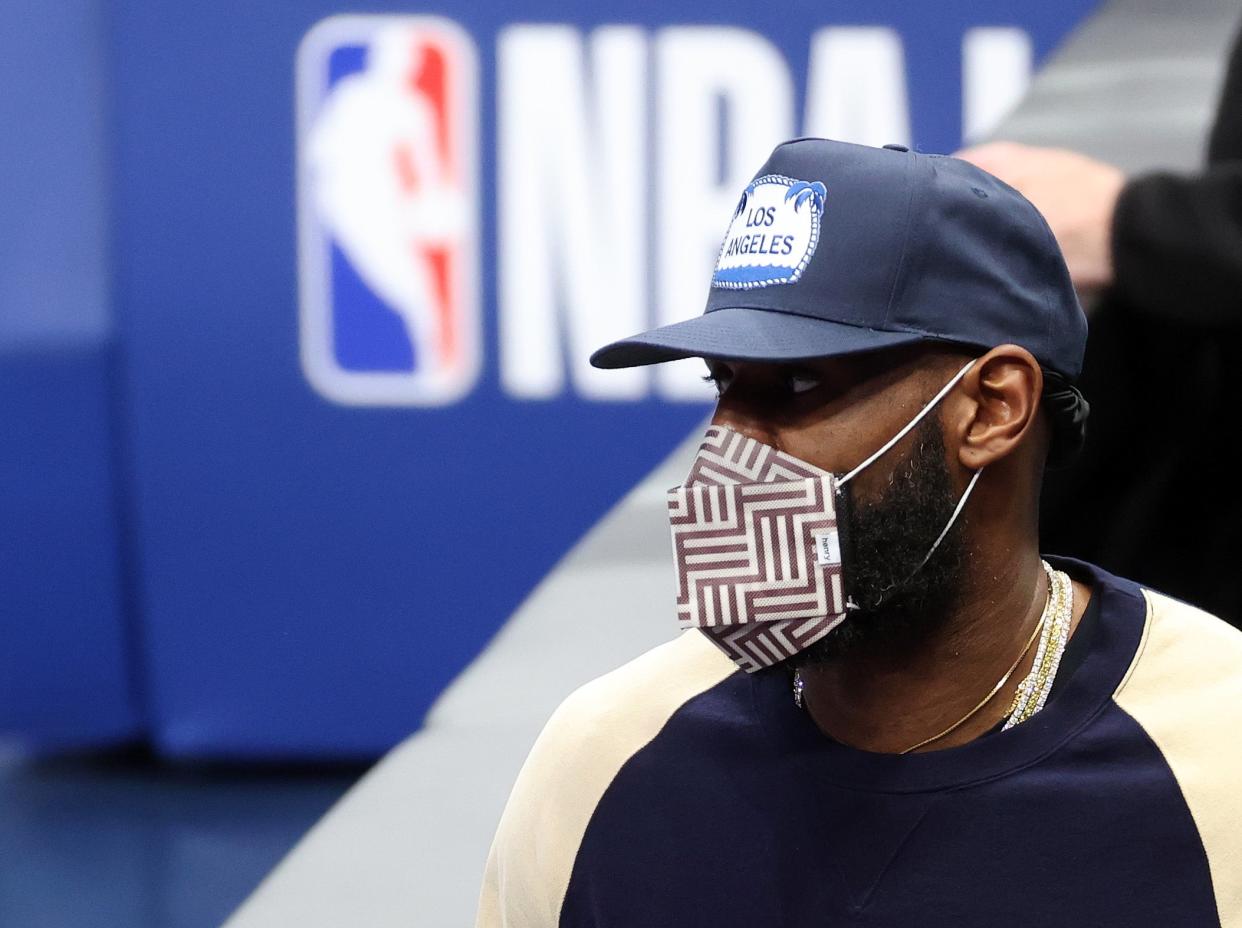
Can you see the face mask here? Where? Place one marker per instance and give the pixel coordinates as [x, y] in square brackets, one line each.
[760, 543]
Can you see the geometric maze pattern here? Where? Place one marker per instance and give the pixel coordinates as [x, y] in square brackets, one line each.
[754, 532]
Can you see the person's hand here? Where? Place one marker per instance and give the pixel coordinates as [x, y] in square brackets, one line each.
[1076, 194]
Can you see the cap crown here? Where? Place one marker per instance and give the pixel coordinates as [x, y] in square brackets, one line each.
[898, 241]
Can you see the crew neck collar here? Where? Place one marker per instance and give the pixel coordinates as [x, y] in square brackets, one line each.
[1122, 616]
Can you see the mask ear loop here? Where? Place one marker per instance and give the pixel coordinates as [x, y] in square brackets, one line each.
[931, 404]
[851, 606]
[961, 502]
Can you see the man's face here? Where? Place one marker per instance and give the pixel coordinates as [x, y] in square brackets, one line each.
[834, 413]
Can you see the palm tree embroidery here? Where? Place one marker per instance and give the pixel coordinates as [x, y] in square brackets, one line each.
[741, 204]
[802, 191]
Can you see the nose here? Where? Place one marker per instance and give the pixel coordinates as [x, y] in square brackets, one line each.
[745, 418]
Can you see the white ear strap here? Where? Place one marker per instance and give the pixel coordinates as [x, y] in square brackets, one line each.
[905, 431]
[961, 504]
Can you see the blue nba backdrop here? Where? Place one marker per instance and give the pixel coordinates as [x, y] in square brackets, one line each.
[361, 261]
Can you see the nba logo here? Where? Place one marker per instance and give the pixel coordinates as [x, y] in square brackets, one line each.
[387, 210]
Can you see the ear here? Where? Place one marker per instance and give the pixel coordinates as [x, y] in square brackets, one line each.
[1000, 406]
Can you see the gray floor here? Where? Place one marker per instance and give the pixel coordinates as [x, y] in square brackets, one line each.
[119, 840]
[1136, 84]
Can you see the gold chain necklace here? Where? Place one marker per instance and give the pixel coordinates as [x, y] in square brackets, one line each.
[1039, 626]
[1054, 606]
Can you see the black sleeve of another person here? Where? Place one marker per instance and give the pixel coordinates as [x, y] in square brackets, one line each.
[1152, 495]
[1177, 240]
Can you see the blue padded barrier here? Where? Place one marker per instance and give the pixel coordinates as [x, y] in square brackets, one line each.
[64, 658]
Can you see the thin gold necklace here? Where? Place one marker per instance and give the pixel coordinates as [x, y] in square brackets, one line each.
[1043, 620]
[988, 698]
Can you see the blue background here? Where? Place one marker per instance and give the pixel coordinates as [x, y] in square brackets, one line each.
[196, 544]
[65, 671]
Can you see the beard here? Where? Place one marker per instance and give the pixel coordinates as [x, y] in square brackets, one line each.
[901, 605]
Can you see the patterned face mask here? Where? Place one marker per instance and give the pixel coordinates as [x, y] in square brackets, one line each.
[759, 542]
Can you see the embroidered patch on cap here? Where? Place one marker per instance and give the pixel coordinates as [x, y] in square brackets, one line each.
[773, 233]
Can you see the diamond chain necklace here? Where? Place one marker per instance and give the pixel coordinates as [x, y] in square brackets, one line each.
[1033, 692]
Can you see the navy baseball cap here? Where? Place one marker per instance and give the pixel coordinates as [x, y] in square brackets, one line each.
[837, 249]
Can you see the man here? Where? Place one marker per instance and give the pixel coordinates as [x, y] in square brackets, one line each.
[957, 734]
[1164, 252]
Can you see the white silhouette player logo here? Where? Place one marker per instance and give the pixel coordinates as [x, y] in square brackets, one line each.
[386, 174]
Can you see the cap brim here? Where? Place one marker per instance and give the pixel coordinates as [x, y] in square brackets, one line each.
[744, 334]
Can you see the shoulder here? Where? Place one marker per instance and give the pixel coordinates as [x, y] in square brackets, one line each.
[1189, 664]
[584, 744]
[627, 707]
[1184, 689]
[605, 722]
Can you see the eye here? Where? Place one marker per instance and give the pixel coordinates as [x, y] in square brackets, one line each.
[720, 377]
[802, 382]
